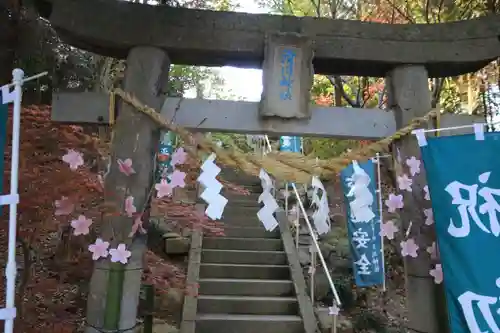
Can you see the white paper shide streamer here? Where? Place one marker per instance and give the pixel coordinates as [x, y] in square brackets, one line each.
[265, 214]
[321, 216]
[211, 195]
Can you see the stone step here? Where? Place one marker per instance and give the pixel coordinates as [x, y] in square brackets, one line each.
[234, 243]
[242, 219]
[244, 271]
[244, 257]
[244, 202]
[224, 323]
[250, 232]
[231, 195]
[246, 287]
[236, 211]
[263, 305]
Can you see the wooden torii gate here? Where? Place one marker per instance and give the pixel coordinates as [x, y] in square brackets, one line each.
[289, 49]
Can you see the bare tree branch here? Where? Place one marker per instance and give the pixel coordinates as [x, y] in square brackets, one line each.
[396, 8]
[336, 81]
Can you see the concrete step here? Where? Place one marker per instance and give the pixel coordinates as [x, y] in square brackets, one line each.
[248, 219]
[244, 271]
[234, 243]
[246, 287]
[263, 305]
[236, 211]
[244, 257]
[223, 323]
[244, 202]
[231, 195]
[250, 232]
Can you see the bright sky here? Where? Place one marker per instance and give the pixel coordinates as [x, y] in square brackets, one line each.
[245, 83]
[242, 83]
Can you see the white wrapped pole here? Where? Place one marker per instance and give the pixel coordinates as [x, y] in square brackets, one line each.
[9, 313]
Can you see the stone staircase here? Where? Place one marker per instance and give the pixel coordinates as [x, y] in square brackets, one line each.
[245, 282]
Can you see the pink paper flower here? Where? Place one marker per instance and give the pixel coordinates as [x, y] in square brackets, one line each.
[178, 157]
[120, 254]
[437, 274]
[404, 183]
[333, 310]
[81, 225]
[99, 249]
[414, 165]
[137, 226]
[388, 229]
[125, 167]
[163, 188]
[426, 191]
[130, 208]
[433, 251]
[394, 202]
[177, 179]
[73, 158]
[64, 206]
[409, 248]
[429, 216]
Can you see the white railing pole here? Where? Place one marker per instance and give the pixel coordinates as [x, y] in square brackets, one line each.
[381, 211]
[315, 241]
[297, 230]
[11, 269]
[313, 265]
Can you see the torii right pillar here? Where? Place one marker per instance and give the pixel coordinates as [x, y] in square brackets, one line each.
[409, 97]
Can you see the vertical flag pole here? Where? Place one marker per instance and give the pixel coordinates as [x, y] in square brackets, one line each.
[381, 210]
[13, 198]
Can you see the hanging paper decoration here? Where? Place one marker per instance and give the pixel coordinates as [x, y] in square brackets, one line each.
[211, 194]
[463, 174]
[266, 213]
[321, 216]
[291, 143]
[165, 150]
[363, 225]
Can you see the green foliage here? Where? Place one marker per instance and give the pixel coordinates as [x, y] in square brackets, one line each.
[450, 96]
[183, 78]
[230, 139]
[327, 148]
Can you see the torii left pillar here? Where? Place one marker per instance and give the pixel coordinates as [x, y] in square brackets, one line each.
[135, 137]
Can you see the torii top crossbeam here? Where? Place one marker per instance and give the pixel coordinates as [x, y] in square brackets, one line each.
[210, 38]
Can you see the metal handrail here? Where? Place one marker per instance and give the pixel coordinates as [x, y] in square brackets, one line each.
[311, 232]
[316, 244]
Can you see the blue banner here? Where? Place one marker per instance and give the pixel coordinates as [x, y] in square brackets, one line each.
[464, 183]
[291, 143]
[363, 223]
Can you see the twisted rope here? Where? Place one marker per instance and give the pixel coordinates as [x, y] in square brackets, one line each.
[284, 166]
